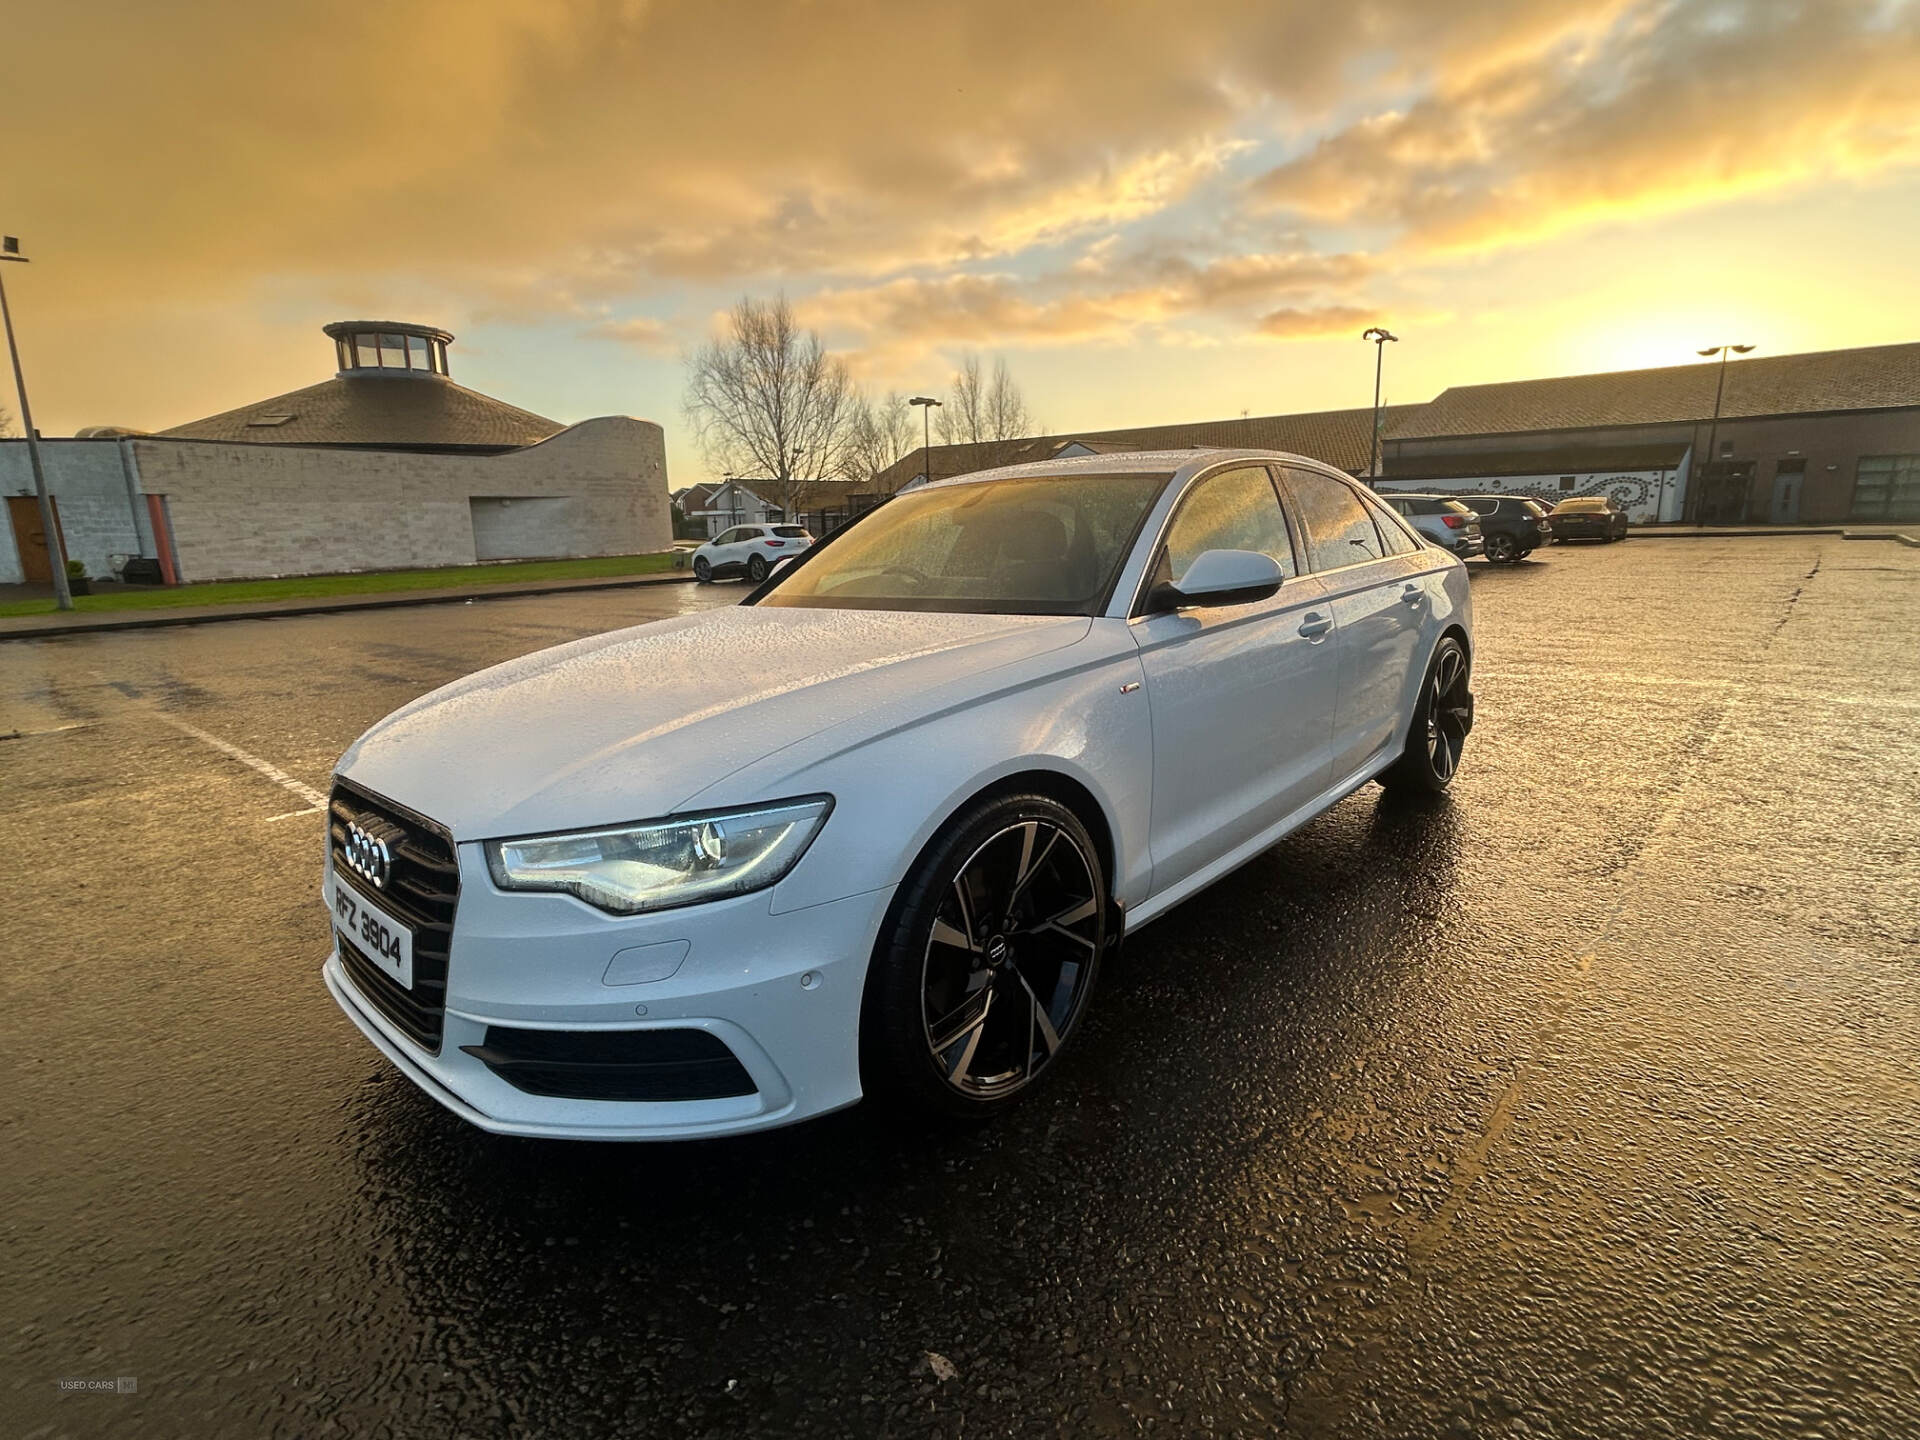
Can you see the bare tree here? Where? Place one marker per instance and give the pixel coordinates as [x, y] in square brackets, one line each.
[769, 404]
[6, 421]
[1007, 415]
[982, 408]
[883, 435]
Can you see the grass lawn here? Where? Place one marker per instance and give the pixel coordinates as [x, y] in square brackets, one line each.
[385, 582]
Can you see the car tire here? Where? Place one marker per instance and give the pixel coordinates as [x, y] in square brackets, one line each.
[756, 568]
[1442, 716]
[702, 570]
[1009, 903]
[1502, 549]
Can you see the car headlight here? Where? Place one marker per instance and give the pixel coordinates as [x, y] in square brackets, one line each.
[659, 864]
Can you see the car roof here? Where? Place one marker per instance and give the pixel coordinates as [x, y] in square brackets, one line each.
[1131, 462]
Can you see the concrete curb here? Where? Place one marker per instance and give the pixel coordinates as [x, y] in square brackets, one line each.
[35, 627]
[1734, 532]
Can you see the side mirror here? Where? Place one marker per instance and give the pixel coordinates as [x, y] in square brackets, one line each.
[1221, 577]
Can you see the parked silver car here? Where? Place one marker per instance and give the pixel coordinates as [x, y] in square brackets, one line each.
[1442, 521]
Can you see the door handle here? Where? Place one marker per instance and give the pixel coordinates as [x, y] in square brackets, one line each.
[1315, 625]
[1413, 594]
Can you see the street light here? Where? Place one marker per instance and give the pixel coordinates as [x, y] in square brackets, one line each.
[926, 404]
[56, 553]
[1726, 353]
[1379, 337]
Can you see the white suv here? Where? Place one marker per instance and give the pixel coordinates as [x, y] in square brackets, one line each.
[750, 550]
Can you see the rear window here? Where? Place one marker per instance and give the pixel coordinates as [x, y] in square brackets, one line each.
[1533, 508]
[1484, 505]
[1585, 503]
[1453, 507]
[795, 530]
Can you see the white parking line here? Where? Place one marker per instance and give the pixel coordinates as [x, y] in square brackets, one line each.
[306, 792]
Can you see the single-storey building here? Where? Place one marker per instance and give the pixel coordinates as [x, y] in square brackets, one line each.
[389, 464]
[1814, 438]
[1341, 438]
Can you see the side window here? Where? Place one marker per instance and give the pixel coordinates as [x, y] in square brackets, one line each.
[1237, 510]
[1482, 506]
[1339, 530]
[727, 537]
[1392, 533]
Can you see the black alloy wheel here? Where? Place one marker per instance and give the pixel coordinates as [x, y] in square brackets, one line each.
[1502, 549]
[988, 959]
[1441, 719]
[702, 570]
[757, 568]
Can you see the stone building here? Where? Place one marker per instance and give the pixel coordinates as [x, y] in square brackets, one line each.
[389, 464]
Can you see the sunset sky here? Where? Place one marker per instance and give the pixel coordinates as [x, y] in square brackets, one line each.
[1155, 212]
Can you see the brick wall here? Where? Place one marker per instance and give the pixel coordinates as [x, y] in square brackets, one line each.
[90, 488]
[241, 511]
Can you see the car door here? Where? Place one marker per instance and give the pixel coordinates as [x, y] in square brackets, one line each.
[1241, 695]
[729, 550]
[1379, 610]
[753, 541]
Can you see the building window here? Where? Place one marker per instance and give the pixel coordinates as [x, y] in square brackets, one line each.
[1887, 487]
[1566, 482]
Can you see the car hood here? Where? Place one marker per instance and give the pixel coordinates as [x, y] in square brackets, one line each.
[628, 725]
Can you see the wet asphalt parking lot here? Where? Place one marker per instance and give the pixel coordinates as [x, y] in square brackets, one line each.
[1582, 1102]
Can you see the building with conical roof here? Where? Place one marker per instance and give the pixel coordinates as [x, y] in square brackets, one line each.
[389, 464]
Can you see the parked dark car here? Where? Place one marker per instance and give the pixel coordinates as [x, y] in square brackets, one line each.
[1514, 526]
[1589, 517]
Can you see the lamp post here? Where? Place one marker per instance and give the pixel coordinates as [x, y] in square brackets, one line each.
[926, 404]
[56, 553]
[1379, 336]
[1726, 353]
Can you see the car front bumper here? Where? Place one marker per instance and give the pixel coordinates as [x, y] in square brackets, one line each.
[781, 993]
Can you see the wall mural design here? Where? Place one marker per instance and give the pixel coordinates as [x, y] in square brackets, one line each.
[1637, 492]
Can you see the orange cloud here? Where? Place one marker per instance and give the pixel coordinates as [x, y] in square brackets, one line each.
[1298, 324]
[1673, 107]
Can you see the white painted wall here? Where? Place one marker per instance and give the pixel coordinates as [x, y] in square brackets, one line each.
[529, 527]
[1648, 496]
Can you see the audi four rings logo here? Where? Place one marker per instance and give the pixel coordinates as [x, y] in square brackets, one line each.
[366, 854]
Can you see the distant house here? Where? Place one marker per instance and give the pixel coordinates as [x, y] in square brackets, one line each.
[826, 505]
[729, 503]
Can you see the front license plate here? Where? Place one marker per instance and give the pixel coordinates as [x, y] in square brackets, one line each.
[374, 933]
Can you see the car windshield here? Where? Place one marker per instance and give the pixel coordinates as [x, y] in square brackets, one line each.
[1050, 545]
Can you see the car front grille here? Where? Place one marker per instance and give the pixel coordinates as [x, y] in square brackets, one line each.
[422, 892]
